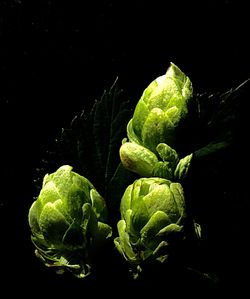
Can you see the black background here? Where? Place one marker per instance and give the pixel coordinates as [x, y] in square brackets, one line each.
[57, 57]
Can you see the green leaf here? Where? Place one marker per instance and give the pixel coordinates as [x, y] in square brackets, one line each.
[110, 117]
[213, 122]
[91, 142]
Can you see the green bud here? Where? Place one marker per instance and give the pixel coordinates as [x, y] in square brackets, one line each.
[163, 104]
[152, 130]
[183, 167]
[68, 222]
[153, 217]
[142, 161]
[138, 159]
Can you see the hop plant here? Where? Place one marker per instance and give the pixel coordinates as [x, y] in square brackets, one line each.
[153, 220]
[150, 148]
[68, 222]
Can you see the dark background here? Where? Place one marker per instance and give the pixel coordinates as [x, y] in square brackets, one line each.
[57, 57]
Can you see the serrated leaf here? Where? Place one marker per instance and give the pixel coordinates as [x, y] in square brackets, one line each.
[213, 121]
[110, 117]
[91, 142]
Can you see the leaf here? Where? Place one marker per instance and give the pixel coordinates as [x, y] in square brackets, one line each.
[110, 118]
[91, 142]
[213, 121]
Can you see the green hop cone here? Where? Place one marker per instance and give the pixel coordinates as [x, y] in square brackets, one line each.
[163, 104]
[152, 129]
[153, 219]
[68, 222]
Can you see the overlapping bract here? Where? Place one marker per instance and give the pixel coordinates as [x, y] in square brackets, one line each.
[68, 221]
[150, 150]
[153, 215]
